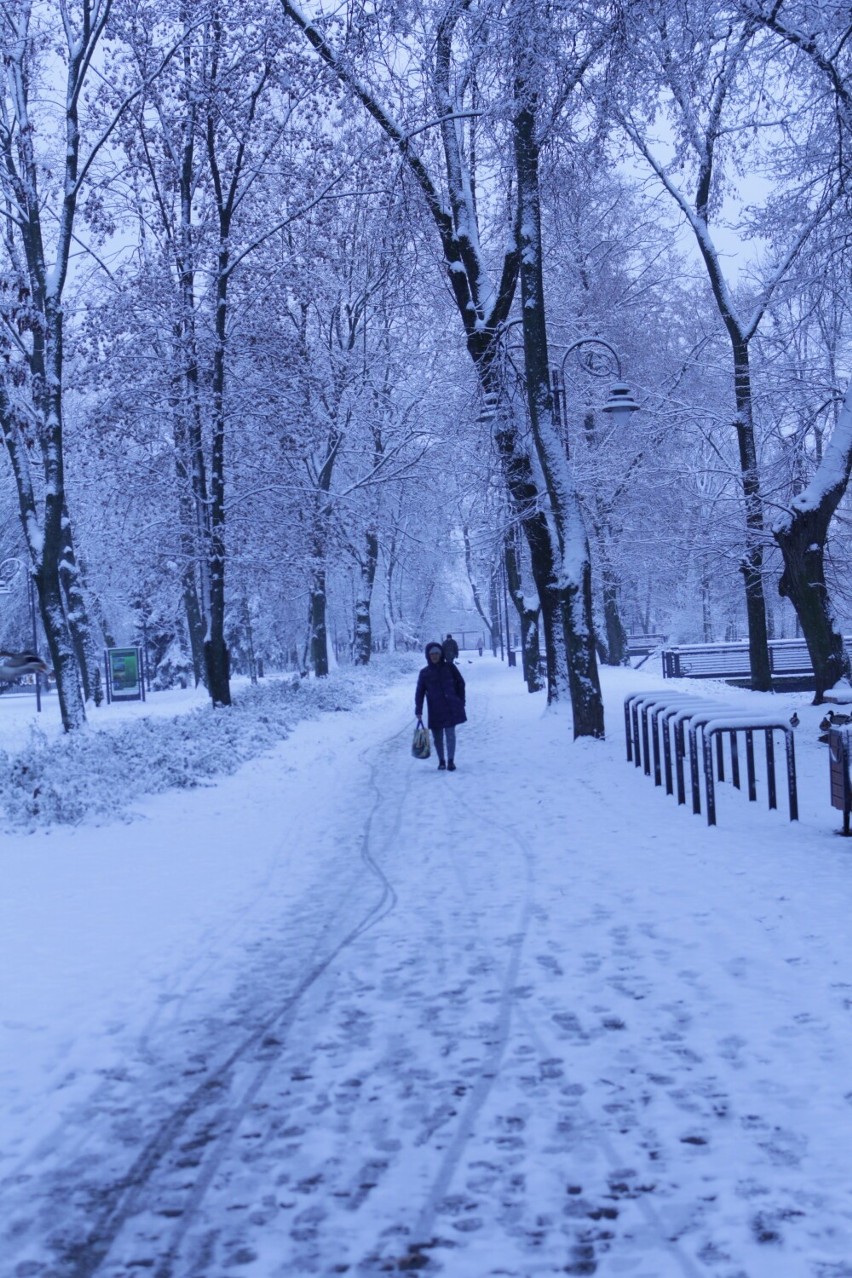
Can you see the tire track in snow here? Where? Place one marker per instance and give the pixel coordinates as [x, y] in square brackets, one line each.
[124, 1199]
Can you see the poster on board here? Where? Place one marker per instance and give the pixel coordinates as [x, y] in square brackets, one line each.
[124, 674]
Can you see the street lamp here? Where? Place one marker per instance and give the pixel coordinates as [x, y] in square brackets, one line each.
[599, 359]
[621, 404]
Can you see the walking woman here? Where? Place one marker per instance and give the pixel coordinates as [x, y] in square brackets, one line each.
[441, 684]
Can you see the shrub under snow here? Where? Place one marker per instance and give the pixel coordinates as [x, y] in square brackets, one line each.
[97, 773]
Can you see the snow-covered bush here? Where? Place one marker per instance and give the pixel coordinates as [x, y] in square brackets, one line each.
[99, 773]
[174, 668]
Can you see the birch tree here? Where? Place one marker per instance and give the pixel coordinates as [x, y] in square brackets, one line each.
[40, 215]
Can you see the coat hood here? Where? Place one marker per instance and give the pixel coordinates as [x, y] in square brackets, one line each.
[432, 645]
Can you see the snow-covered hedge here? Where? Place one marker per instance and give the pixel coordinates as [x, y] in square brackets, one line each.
[99, 773]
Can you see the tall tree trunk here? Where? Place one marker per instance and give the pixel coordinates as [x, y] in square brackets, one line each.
[612, 641]
[363, 640]
[188, 419]
[39, 274]
[216, 651]
[528, 614]
[192, 543]
[494, 609]
[318, 603]
[252, 658]
[225, 193]
[79, 626]
[193, 495]
[616, 636]
[706, 610]
[194, 618]
[317, 623]
[48, 580]
[574, 579]
[47, 557]
[803, 583]
[527, 508]
[801, 535]
[752, 561]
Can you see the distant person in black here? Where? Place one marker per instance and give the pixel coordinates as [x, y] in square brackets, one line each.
[450, 649]
[441, 685]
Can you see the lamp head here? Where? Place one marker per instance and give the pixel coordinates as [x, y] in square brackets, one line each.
[620, 403]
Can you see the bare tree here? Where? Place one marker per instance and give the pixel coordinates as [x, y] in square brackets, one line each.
[574, 586]
[199, 148]
[449, 188]
[38, 232]
[701, 77]
[820, 42]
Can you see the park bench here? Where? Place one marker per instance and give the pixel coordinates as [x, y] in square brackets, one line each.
[644, 646]
[789, 659]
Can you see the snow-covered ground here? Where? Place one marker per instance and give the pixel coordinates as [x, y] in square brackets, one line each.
[339, 1013]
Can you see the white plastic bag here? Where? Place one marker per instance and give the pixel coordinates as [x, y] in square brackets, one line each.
[420, 745]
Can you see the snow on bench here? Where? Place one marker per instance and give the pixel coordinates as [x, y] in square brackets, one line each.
[789, 660]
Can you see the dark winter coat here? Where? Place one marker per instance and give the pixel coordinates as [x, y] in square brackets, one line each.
[442, 687]
[450, 649]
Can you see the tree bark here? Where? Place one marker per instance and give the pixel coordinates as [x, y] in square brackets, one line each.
[218, 659]
[803, 583]
[528, 616]
[495, 627]
[363, 641]
[752, 561]
[616, 637]
[574, 579]
[77, 612]
[317, 624]
[802, 534]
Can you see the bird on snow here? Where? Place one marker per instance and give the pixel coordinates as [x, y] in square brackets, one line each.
[794, 720]
[832, 720]
[15, 664]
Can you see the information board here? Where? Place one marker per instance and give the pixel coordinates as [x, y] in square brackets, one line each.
[124, 674]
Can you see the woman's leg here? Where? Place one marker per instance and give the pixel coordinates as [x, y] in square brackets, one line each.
[438, 737]
[451, 743]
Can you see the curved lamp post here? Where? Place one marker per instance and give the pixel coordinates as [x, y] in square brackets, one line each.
[598, 359]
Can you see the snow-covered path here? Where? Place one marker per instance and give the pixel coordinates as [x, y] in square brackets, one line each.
[347, 1015]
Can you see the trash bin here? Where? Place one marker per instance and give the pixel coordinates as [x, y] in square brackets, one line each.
[839, 743]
